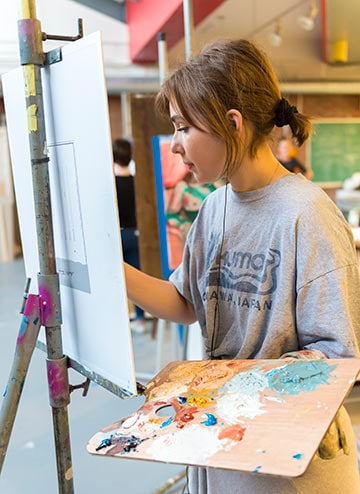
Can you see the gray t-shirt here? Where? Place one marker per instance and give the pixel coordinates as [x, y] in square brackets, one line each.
[287, 279]
[268, 272]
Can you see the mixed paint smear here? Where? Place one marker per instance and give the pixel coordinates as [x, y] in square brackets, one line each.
[208, 407]
[302, 376]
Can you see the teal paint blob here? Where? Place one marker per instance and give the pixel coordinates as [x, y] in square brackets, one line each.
[211, 419]
[298, 456]
[300, 376]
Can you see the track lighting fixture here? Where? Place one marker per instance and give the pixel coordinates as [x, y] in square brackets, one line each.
[275, 36]
[308, 22]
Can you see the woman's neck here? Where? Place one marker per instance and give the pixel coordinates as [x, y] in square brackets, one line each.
[256, 173]
[121, 171]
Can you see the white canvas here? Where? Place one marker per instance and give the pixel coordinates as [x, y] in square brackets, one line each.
[95, 328]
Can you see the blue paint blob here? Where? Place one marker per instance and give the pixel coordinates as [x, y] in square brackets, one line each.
[257, 469]
[298, 456]
[211, 419]
[181, 400]
[166, 423]
[104, 443]
[300, 376]
[23, 326]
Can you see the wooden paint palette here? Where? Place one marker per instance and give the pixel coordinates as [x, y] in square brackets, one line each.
[263, 416]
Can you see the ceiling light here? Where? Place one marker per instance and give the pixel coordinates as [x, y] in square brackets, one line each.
[308, 22]
[275, 36]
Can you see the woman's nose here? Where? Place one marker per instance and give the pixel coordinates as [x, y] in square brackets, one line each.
[175, 145]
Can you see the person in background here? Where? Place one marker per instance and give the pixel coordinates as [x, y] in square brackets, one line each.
[286, 153]
[269, 268]
[125, 191]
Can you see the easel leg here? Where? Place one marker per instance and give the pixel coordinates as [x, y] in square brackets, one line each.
[171, 482]
[25, 345]
[57, 371]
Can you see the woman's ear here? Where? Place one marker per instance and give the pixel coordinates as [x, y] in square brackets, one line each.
[235, 119]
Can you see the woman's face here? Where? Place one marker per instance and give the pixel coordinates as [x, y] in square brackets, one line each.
[202, 153]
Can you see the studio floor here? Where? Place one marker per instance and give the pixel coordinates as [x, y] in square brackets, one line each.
[30, 464]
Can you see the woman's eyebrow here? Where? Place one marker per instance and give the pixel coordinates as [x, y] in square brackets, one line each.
[176, 118]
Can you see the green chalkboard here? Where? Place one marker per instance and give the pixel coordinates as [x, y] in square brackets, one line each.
[335, 150]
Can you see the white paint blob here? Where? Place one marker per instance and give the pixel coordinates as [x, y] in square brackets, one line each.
[195, 442]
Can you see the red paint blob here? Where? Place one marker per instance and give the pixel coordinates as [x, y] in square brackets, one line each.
[186, 414]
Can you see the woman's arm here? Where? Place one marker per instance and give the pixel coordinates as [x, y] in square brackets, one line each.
[158, 297]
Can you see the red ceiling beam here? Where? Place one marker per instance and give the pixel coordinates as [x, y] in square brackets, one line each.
[146, 18]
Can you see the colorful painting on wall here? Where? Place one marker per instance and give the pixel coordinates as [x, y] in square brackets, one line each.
[247, 415]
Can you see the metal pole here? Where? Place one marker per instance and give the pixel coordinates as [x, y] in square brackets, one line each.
[162, 54]
[32, 59]
[25, 345]
[125, 114]
[188, 27]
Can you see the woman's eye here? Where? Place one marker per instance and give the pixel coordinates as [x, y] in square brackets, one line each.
[182, 129]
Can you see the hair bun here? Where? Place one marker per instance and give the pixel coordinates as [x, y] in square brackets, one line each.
[284, 113]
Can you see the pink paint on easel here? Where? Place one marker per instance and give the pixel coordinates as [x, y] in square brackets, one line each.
[58, 383]
[47, 306]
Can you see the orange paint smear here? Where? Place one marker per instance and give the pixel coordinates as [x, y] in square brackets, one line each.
[233, 432]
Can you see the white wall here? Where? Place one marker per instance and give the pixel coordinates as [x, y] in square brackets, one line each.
[60, 17]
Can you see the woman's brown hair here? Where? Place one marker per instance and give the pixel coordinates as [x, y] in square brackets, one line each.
[229, 74]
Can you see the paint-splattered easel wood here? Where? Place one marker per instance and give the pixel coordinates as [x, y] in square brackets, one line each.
[263, 416]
